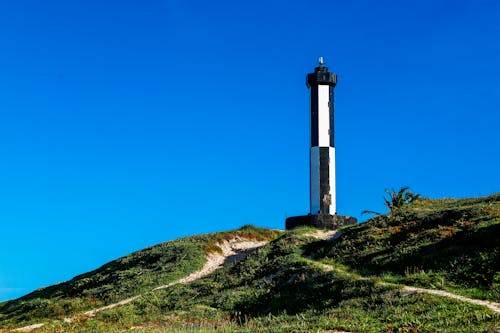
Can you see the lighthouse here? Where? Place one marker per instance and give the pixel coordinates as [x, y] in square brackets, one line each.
[321, 84]
[322, 190]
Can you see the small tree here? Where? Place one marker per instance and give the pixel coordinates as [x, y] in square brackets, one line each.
[396, 200]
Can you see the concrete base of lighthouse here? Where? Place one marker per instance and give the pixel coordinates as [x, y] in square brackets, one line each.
[320, 221]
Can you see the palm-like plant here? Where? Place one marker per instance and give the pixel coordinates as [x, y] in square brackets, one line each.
[396, 200]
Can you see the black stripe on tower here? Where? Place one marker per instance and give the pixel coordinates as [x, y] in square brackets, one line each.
[314, 116]
[331, 105]
[324, 180]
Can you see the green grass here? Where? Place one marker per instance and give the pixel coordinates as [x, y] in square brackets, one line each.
[121, 278]
[297, 283]
[392, 313]
[279, 289]
[441, 244]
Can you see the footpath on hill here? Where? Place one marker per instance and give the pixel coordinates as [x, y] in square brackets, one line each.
[238, 248]
[495, 307]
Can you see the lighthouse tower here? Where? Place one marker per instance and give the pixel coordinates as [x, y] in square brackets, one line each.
[323, 196]
[322, 152]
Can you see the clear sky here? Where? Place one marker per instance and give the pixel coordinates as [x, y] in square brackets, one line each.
[127, 123]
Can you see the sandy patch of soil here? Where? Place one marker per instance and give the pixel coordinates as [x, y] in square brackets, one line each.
[327, 235]
[29, 327]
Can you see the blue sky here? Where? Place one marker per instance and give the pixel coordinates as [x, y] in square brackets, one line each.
[127, 123]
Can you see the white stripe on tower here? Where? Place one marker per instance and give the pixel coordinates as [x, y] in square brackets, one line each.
[323, 116]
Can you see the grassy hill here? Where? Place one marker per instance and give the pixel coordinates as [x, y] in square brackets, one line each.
[297, 283]
[127, 276]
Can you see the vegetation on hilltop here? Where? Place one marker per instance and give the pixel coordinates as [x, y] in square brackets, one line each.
[298, 283]
[450, 243]
[396, 199]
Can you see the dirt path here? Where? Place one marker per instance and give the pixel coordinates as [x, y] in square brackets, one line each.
[495, 307]
[29, 327]
[327, 235]
[232, 250]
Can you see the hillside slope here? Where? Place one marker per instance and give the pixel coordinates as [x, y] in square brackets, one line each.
[128, 276]
[298, 282]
